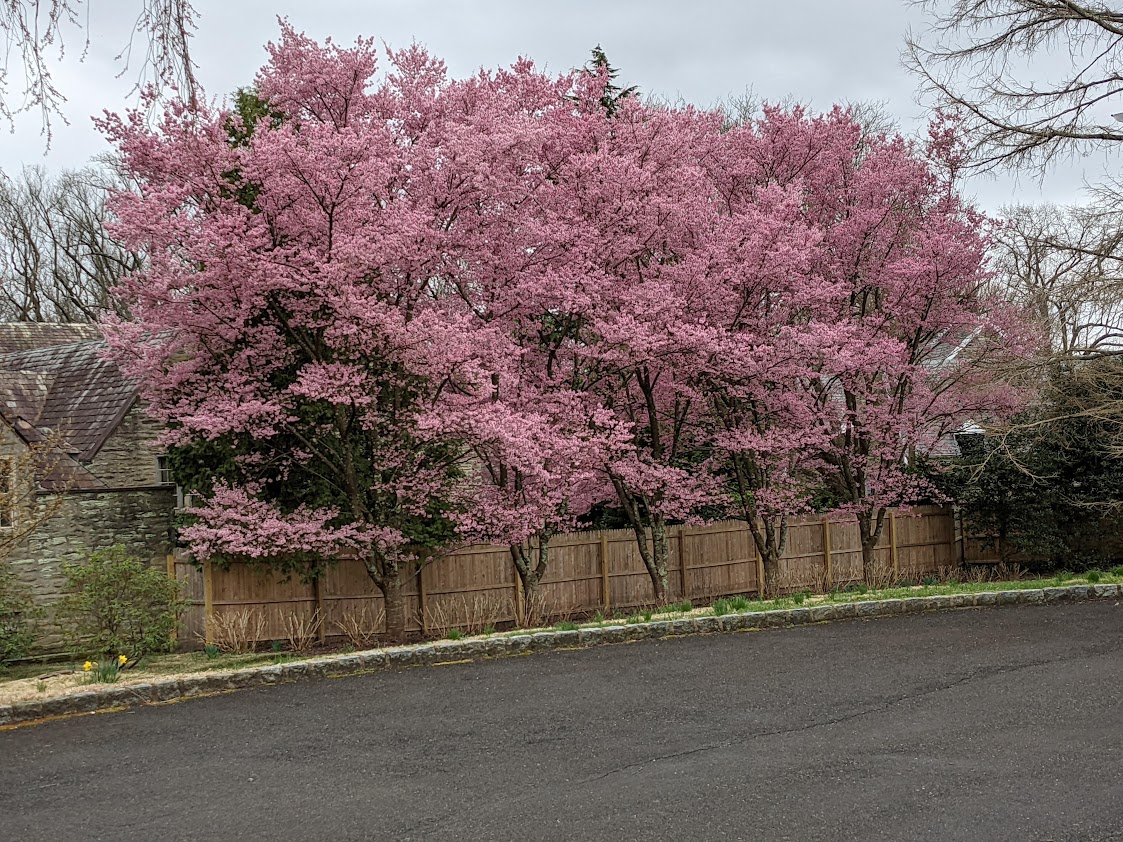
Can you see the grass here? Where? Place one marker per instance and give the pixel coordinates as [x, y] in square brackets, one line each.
[176, 663]
[212, 658]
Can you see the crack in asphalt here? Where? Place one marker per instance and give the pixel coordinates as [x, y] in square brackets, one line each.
[982, 673]
[979, 674]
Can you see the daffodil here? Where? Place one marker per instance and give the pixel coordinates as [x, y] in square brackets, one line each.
[121, 659]
[88, 666]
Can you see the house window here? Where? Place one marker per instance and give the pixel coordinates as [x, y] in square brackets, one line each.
[164, 471]
[7, 494]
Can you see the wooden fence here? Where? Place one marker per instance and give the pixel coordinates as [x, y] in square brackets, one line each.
[588, 572]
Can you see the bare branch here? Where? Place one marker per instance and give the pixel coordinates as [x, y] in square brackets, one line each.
[981, 59]
[33, 34]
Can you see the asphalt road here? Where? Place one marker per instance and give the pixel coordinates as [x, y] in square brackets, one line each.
[980, 725]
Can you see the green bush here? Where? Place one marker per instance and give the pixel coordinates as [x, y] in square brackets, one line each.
[115, 604]
[18, 618]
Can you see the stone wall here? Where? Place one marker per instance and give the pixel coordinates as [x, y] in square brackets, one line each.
[128, 457]
[141, 520]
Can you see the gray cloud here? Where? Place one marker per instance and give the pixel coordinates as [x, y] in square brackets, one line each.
[817, 51]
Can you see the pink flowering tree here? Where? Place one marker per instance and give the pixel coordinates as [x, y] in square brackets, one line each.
[760, 354]
[382, 314]
[901, 261]
[624, 216]
[293, 328]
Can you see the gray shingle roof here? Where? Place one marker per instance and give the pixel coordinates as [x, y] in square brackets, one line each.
[71, 390]
[28, 336]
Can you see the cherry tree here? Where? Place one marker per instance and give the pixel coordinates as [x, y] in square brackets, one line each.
[294, 321]
[627, 212]
[902, 259]
[382, 314]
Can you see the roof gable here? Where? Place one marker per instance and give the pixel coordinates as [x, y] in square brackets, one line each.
[68, 389]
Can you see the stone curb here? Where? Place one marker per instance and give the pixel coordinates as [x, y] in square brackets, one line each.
[446, 651]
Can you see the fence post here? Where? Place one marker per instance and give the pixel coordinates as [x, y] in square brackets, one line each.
[421, 598]
[759, 567]
[827, 552]
[893, 547]
[682, 560]
[208, 603]
[169, 560]
[520, 619]
[605, 585]
[321, 617]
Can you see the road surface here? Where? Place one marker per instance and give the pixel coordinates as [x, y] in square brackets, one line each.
[976, 724]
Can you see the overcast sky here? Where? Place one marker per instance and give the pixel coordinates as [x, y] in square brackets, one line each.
[819, 51]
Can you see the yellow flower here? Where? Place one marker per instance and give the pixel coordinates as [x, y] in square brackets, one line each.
[87, 666]
[121, 659]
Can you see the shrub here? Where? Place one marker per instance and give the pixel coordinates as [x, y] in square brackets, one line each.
[1093, 576]
[721, 607]
[114, 603]
[18, 618]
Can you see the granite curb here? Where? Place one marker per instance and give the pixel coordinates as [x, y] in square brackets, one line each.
[173, 688]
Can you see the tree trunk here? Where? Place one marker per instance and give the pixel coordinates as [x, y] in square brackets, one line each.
[654, 552]
[771, 539]
[771, 564]
[870, 524]
[531, 569]
[659, 556]
[387, 576]
[395, 607]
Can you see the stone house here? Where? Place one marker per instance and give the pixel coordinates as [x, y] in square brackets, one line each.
[75, 444]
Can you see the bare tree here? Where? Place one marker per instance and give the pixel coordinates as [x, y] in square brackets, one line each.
[984, 59]
[57, 262]
[34, 33]
[1064, 266]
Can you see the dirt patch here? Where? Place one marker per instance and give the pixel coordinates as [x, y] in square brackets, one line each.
[50, 685]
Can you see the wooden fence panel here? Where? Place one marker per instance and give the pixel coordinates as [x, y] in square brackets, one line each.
[629, 582]
[470, 589]
[804, 561]
[573, 581]
[926, 541]
[192, 622]
[477, 586]
[846, 553]
[348, 594]
[721, 561]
